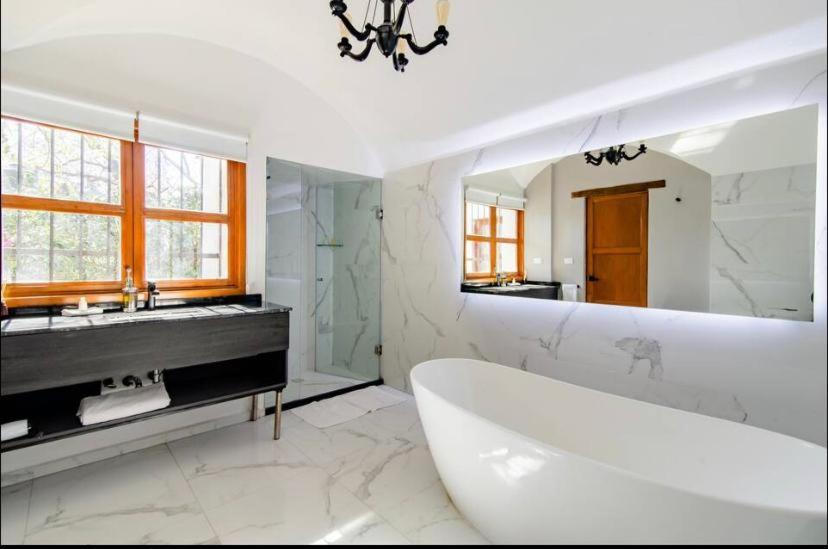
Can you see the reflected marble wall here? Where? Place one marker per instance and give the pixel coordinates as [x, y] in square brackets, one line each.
[764, 372]
[762, 243]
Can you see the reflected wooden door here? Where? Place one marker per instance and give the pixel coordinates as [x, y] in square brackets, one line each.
[616, 249]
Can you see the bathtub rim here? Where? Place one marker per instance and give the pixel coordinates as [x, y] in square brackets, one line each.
[801, 511]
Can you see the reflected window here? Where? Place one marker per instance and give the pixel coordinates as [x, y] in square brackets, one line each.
[493, 242]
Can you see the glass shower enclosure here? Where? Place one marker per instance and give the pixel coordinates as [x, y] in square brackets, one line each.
[323, 259]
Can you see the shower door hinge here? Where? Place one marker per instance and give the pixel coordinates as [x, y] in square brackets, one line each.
[380, 213]
[378, 350]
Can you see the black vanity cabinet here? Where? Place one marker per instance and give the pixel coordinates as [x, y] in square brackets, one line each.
[208, 354]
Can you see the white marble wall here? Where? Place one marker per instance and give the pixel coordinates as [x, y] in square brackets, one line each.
[765, 372]
[762, 243]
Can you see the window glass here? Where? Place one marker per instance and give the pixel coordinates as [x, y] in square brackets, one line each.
[507, 223]
[507, 260]
[477, 257]
[45, 162]
[43, 246]
[177, 250]
[478, 219]
[184, 181]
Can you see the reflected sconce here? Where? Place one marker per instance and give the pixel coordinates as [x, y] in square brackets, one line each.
[389, 36]
[613, 155]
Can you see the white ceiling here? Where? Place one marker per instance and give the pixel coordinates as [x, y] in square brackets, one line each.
[511, 67]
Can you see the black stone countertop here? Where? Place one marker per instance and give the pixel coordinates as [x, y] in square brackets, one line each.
[198, 310]
[535, 290]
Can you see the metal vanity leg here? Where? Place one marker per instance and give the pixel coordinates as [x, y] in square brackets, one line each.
[277, 420]
[257, 408]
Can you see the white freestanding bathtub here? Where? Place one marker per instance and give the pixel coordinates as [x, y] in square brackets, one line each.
[528, 459]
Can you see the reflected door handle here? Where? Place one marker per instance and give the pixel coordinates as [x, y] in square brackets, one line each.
[592, 278]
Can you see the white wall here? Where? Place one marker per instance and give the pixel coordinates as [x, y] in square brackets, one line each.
[767, 373]
[537, 223]
[679, 232]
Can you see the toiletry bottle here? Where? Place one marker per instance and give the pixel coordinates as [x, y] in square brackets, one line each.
[130, 293]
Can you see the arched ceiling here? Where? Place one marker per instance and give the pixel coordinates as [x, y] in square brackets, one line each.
[511, 67]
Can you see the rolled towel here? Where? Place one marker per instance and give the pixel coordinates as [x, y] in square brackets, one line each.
[14, 429]
[121, 404]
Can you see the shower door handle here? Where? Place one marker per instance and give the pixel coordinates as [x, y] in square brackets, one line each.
[320, 279]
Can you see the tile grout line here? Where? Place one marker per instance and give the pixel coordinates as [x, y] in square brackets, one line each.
[28, 511]
[195, 497]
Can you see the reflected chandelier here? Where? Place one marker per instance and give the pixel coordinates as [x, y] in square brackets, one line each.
[614, 155]
[389, 36]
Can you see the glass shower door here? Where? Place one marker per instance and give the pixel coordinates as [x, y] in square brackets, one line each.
[348, 279]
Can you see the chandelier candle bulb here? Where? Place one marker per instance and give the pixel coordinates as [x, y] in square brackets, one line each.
[343, 30]
[443, 9]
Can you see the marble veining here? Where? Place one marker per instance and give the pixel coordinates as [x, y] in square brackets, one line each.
[368, 481]
[712, 364]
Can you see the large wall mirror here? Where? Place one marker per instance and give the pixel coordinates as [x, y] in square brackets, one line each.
[717, 219]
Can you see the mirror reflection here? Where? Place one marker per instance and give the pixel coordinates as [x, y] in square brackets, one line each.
[717, 219]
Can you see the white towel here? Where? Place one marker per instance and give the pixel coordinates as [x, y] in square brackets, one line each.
[121, 404]
[14, 429]
[570, 292]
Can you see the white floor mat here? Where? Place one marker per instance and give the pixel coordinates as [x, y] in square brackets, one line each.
[342, 408]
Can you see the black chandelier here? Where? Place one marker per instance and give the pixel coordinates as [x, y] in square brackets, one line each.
[389, 36]
[614, 155]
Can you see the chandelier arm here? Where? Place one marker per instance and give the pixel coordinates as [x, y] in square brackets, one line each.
[440, 39]
[359, 35]
[401, 16]
[641, 150]
[595, 161]
[361, 56]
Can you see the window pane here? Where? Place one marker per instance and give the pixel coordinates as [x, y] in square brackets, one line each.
[185, 181]
[507, 260]
[67, 166]
[60, 247]
[478, 220]
[185, 250]
[35, 160]
[51, 163]
[10, 143]
[507, 223]
[101, 170]
[477, 257]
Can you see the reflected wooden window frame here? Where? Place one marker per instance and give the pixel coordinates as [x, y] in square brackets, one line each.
[493, 240]
[133, 214]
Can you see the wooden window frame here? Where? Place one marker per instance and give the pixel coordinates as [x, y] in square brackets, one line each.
[493, 241]
[133, 214]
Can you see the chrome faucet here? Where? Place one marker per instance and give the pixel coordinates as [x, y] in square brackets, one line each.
[152, 294]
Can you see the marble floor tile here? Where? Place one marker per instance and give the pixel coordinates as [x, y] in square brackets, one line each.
[326, 446]
[398, 480]
[228, 464]
[368, 481]
[14, 509]
[134, 498]
[303, 507]
[402, 420]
